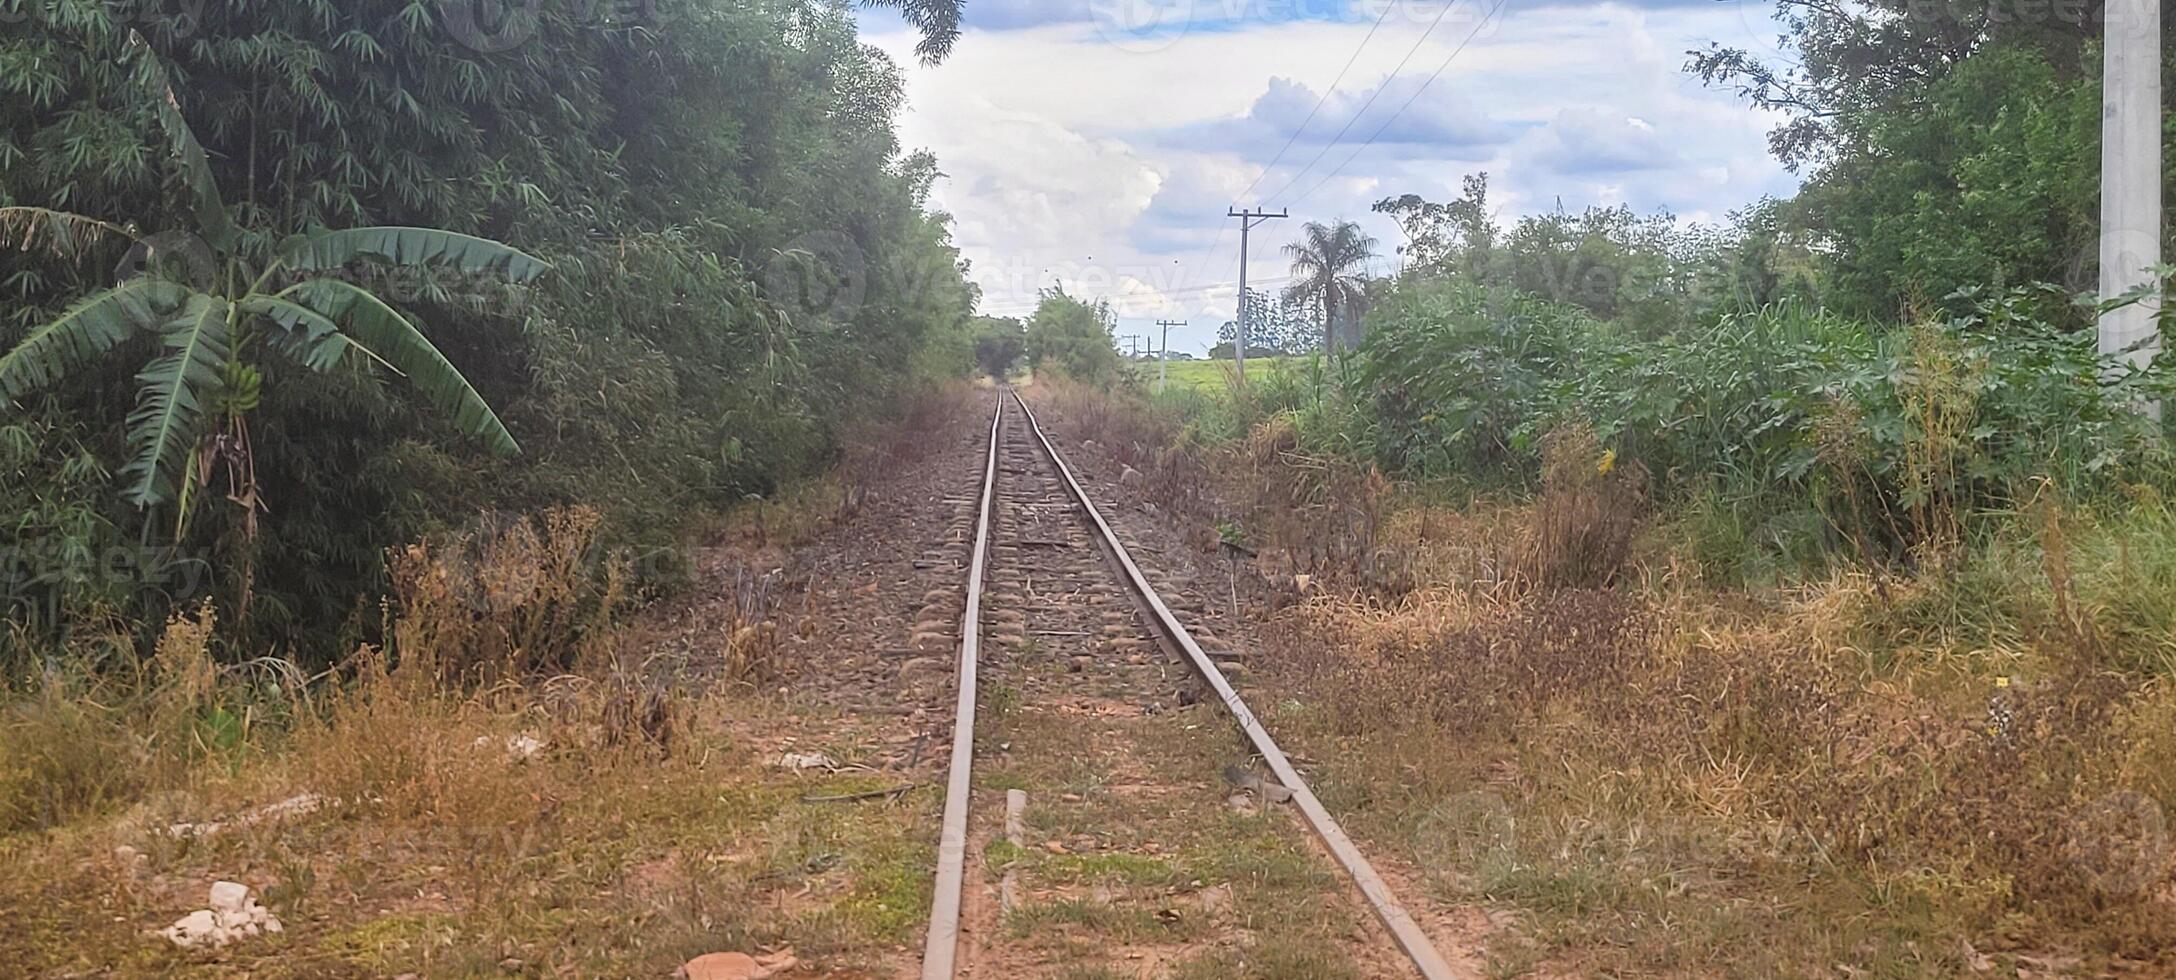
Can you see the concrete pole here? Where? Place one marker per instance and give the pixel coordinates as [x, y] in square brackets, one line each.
[1163, 354]
[1239, 343]
[1248, 218]
[2130, 176]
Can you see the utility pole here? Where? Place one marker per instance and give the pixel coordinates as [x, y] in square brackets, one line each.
[1248, 218]
[1163, 354]
[2130, 176]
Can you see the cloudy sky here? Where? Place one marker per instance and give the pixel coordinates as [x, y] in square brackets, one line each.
[1098, 143]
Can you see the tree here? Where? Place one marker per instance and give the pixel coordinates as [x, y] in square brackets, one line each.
[1329, 264]
[687, 185]
[1458, 237]
[999, 343]
[938, 20]
[1274, 329]
[1073, 336]
[221, 321]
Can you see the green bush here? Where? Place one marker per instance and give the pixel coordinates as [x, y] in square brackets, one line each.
[1788, 431]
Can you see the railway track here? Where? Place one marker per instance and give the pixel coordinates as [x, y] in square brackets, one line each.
[1045, 555]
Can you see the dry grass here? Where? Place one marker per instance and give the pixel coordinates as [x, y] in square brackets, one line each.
[1691, 770]
[1963, 768]
[508, 787]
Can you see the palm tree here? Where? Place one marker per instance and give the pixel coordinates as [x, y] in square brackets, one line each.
[219, 314]
[1328, 271]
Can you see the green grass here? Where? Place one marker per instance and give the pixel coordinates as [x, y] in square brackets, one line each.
[1211, 376]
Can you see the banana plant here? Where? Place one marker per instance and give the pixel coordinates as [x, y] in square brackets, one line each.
[215, 312]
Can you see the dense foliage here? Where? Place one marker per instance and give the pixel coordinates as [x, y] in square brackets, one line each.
[1072, 336]
[1000, 343]
[1805, 430]
[1943, 145]
[742, 259]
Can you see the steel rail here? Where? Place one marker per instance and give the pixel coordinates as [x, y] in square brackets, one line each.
[1408, 933]
[942, 948]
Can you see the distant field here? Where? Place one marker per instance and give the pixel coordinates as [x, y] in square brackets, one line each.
[1206, 375]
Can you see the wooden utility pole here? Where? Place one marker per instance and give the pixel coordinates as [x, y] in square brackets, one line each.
[1163, 354]
[2130, 177]
[1248, 218]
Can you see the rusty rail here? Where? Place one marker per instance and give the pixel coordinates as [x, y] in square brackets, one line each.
[1408, 934]
[940, 953]
[942, 947]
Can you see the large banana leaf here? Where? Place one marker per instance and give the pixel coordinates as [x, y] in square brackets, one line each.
[306, 335]
[389, 336]
[411, 246]
[196, 171]
[89, 328]
[169, 411]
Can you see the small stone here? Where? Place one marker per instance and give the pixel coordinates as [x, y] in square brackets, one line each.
[720, 966]
[230, 896]
[524, 746]
[921, 665]
[798, 761]
[198, 928]
[1231, 669]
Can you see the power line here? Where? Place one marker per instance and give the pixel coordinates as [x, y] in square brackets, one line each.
[1325, 97]
[1363, 110]
[1177, 291]
[1218, 241]
[1350, 157]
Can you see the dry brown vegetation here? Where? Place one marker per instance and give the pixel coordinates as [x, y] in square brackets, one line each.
[526, 779]
[1546, 704]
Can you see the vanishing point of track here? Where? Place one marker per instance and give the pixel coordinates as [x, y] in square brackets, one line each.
[941, 952]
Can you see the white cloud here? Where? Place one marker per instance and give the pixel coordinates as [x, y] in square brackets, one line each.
[1072, 159]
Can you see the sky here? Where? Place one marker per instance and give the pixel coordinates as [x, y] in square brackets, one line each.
[1097, 144]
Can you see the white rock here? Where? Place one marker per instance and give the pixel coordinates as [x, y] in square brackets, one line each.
[273, 925]
[198, 928]
[524, 746]
[798, 761]
[230, 896]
